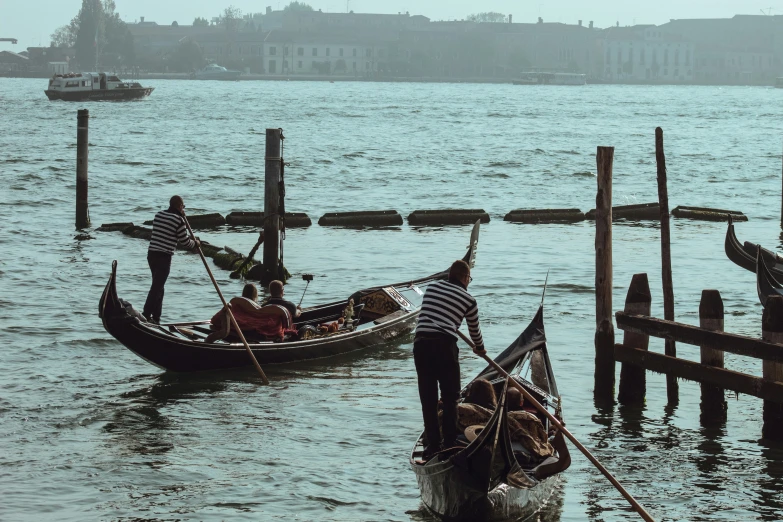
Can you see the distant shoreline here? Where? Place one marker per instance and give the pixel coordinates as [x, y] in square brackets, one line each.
[400, 79]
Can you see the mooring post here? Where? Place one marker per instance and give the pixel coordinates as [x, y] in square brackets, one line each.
[672, 388]
[772, 330]
[82, 153]
[604, 334]
[633, 379]
[271, 206]
[713, 402]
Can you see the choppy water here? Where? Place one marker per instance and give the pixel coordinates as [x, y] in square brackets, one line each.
[88, 431]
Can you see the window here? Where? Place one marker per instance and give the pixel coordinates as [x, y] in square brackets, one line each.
[676, 72]
[666, 72]
[368, 52]
[272, 67]
[315, 51]
[327, 51]
[341, 51]
[676, 58]
[272, 51]
[687, 57]
[354, 64]
[299, 65]
[641, 56]
[300, 51]
[666, 57]
[285, 51]
[72, 84]
[354, 51]
[367, 65]
[619, 56]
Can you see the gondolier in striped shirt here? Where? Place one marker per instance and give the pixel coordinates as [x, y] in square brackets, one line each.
[435, 353]
[168, 230]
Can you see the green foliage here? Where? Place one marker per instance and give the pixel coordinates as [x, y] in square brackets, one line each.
[297, 6]
[95, 30]
[489, 17]
[65, 36]
[231, 18]
[200, 22]
[188, 57]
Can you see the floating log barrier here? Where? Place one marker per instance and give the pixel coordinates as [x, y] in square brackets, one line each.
[138, 232]
[545, 215]
[447, 217]
[369, 218]
[643, 211]
[203, 221]
[256, 219]
[707, 214]
[113, 227]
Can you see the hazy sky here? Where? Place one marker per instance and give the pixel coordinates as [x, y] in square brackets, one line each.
[32, 21]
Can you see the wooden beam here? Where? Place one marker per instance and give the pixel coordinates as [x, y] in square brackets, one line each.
[694, 335]
[693, 371]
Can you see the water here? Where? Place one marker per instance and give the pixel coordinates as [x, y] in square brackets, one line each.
[88, 431]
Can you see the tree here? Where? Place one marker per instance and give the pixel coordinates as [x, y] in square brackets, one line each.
[490, 17]
[188, 57]
[200, 22]
[90, 19]
[65, 36]
[231, 18]
[298, 6]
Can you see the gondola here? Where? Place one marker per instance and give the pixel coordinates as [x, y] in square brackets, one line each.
[382, 313]
[492, 478]
[766, 284]
[745, 255]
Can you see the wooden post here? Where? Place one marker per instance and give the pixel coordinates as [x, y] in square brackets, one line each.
[713, 403]
[271, 206]
[604, 335]
[781, 211]
[672, 388]
[82, 154]
[633, 379]
[772, 330]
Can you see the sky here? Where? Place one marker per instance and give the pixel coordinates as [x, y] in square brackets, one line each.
[33, 21]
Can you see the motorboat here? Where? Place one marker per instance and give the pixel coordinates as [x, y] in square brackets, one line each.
[550, 78]
[214, 71]
[94, 86]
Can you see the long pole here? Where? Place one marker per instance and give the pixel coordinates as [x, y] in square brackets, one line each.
[225, 305]
[271, 205]
[604, 333]
[529, 398]
[82, 157]
[672, 388]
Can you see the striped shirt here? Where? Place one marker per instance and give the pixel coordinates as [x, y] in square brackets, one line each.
[444, 306]
[168, 229]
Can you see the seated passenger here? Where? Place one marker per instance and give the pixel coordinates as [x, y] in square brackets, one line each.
[482, 393]
[271, 322]
[276, 291]
[525, 426]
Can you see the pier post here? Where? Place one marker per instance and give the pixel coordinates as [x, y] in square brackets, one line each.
[672, 388]
[82, 156]
[633, 379]
[772, 330]
[713, 402]
[271, 206]
[604, 334]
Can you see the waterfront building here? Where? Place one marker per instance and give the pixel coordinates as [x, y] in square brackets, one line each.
[646, 54]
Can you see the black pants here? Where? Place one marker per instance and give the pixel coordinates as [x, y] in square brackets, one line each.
[160, 266]
[437, 363]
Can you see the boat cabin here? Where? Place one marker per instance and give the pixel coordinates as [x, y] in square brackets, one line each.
[89, 82]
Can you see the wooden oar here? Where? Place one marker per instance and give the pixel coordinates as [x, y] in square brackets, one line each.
[225, 305]
[637, 507]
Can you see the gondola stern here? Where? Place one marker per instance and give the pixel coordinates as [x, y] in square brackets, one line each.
[109, 303]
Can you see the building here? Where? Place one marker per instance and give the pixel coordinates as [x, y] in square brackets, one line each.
[646, 53]
[13, 62]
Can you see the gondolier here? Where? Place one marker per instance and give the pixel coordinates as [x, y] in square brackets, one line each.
[435, 353]
[168, 230]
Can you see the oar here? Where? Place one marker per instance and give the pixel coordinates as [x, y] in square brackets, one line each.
[637, 507]
[236, 273]
[225, 305]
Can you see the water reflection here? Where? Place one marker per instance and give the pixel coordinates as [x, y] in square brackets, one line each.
[770, 482]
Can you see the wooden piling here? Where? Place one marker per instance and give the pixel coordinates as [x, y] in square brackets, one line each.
[604, 335]
[82, 156]
[713, 402]
[672, 388]
[271, 206]
[772, 331]
[633, 379]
